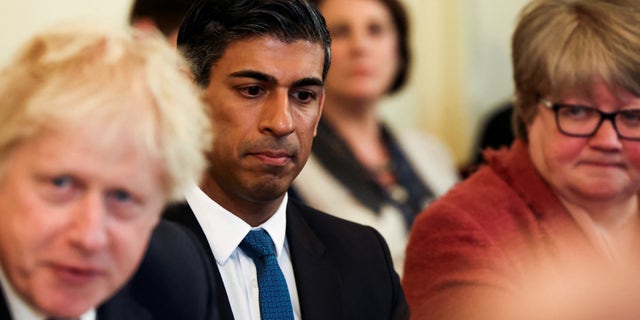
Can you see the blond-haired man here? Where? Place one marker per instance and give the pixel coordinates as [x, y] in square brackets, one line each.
[100, 129]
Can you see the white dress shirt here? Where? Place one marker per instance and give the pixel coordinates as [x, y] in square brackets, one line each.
[224, 232]
[20, 310]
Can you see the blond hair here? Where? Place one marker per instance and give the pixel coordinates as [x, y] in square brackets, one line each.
[562, 45]
[78, 74]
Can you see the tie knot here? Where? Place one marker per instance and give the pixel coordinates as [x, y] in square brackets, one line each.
[257, 243]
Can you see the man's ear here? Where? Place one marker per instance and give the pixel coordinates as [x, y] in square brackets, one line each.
[145, 25]
[321, 107]
[186, 70]
[173, 38]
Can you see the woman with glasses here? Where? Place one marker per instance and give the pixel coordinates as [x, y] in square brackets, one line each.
[550, 228]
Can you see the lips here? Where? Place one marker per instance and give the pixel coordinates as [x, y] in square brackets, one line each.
[273, 158]
[76, 275]
[603, 164]
[361, 72]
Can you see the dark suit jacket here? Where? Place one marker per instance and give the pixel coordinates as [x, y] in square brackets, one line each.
[174, 281]
[343, 270]
[119, 307]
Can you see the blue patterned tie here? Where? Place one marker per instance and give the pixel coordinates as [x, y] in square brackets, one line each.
[275, 303]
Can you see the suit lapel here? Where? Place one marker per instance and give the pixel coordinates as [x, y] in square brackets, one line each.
[4, 309]
[119, 307]
[317, 280]
[122, 307]
[183, 214]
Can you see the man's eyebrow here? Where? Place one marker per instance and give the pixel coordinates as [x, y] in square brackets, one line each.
[304, 82]
[260, 76]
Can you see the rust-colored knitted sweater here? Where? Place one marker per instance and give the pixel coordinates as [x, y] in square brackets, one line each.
[476, 246]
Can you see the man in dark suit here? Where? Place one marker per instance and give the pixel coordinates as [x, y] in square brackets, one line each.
[100, 129]
[262, 65]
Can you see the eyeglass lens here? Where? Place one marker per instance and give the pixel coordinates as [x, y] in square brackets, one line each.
[585, 121]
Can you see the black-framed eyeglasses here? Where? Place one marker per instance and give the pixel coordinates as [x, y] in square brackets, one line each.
[582, 121]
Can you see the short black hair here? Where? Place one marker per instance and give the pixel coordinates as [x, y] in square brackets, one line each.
[211, 25]
[166, 14]
[401, 22]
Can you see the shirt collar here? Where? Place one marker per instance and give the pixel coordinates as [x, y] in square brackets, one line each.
[19, 309]
[224, 230]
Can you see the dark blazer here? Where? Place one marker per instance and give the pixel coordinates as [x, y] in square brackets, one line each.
[119, 307]
[174, 281]
[343, 270]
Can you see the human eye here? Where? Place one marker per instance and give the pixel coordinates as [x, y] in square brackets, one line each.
[577, 112]
[58, 188]
[376, 29]
[629, 118]
[252, 91]
[120, 195]
[305, 96]
[61, 182]
[122, 202]
[339, 31]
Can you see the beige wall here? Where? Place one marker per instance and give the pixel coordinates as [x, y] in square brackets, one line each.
[461, 57]
[461, 68]
[20, 19]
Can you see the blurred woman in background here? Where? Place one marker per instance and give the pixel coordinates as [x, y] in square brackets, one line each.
[360, 169]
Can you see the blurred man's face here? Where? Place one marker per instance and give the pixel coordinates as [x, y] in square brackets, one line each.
[75, 218]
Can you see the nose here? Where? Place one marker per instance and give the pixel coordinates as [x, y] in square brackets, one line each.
[89, 228]
[276, 118]
[359, 40]
[606, 136]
